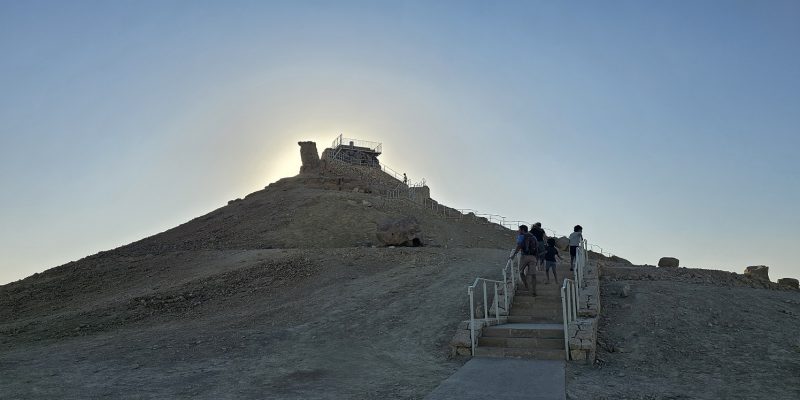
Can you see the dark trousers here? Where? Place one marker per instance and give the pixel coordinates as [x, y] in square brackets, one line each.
[573, 250]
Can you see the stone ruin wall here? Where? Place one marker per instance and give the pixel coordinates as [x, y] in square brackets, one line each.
[582, 333]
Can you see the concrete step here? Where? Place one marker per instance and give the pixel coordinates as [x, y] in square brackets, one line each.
[539, 312]
[540, 289]
[544, 288]
[524, 309]
[527, 298]
[546, 354]
[540, 331]
[526, 343]
[547, 290]
[526, 295]
[530, 301]
[540, 296]
[526, 319]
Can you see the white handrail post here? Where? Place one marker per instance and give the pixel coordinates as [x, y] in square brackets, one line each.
[574, 302]
[564, 301]
[505, 289]
[510, 265]
[471, 319]
[485, 303]
[496, 308]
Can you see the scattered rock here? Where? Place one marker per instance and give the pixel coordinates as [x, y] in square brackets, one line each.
[366, 203]
[757, 272]
[626, 291]
[789, 282]
[668, 262]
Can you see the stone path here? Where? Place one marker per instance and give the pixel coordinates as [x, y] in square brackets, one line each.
[504, 378]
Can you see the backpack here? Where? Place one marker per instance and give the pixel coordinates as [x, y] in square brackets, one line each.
[550, 253]
[529, 245]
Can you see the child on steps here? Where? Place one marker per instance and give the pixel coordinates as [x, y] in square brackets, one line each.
[550, 254]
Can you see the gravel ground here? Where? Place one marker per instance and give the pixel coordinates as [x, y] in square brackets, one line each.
[692, 334]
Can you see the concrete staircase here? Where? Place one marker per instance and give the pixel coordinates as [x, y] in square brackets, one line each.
[535, 324]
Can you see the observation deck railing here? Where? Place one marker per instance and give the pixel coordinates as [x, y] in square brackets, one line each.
[343, 141]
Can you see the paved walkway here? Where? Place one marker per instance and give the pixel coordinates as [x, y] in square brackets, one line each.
[504, 378]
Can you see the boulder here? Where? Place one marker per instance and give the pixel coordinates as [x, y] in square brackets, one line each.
[562, 243]
[757, 272]
[309, 157]
[668, 262]
[403, 231]
[789, 282]
[626, 290]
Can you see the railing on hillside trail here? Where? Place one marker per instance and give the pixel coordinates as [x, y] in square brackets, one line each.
[510, 272]
[394, 174]
[570, 291]
[401, 191]
[569, 307]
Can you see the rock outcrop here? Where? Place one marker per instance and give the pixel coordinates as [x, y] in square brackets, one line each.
[562, 243]
[789, 282]
[309, 157]
[668, 262]
[403, 231]
[757, 272]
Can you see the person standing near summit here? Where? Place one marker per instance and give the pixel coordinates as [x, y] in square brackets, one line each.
[575, 239]
[526, 243]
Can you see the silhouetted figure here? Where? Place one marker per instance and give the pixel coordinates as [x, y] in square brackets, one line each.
[526, 243]
[405, 179]
[550, 255]
[575, 239]
[541, 237]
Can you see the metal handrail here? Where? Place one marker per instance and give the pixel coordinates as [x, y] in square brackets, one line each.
[581, 259]
[570, 291]
[569, 308]
[392, 172]
[510, 271]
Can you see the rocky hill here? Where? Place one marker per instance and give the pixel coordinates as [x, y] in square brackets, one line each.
[289, 293]
[285, 293]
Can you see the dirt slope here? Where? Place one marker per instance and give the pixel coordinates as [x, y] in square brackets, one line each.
[282, 294]
[286, 215]
[692, 334]
[344, 323]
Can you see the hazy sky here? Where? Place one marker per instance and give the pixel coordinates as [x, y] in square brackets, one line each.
[665, 128]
